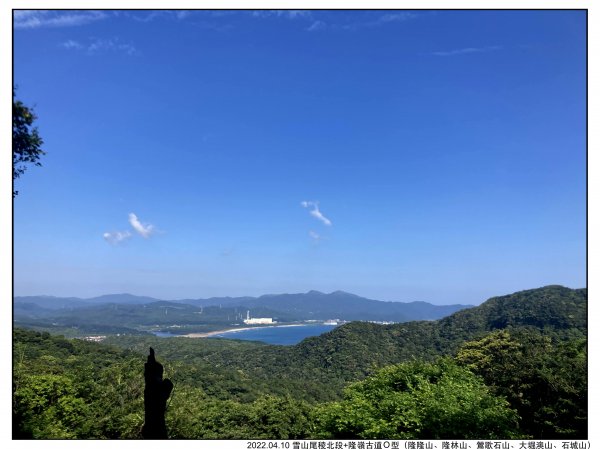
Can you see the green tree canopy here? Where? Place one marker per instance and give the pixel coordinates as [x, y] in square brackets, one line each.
[27, 142]
[418, 400]
[545, 381]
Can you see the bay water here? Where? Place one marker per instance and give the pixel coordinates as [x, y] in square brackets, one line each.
[277, 335]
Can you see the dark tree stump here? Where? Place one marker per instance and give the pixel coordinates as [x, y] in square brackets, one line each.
[156, 393]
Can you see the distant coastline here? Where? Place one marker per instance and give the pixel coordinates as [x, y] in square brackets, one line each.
[237, 329]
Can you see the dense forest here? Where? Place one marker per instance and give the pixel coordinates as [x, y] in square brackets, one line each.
[513, 367]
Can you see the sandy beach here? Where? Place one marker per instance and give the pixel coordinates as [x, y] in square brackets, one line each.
[237, 329]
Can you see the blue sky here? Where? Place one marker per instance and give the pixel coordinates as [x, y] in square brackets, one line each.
[399, 155]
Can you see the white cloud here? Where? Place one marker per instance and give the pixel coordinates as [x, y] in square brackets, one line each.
[317, 25]
[39, 18]
[315, 212]
[150, 16]
[111, 45]
[70, 44]
[397, 17]
[294, 13]
[367, 21]
[145, 230]
[146, 16]
[100, 45]
[24, 14]
[462, 51]
[116, 237]
[286, 14]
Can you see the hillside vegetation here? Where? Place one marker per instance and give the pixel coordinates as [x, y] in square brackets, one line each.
[515, 366]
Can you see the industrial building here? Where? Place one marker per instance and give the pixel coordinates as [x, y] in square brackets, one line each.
[249, 320]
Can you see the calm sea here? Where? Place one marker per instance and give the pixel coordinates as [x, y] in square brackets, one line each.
[278, 335]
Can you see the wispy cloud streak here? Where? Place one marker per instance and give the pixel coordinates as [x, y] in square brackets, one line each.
[467, 50]
[399, 16]
[111, 45]
[317, 25]
[315, 212]
[116, 237]
[319, 21]
[71, 44]
[39, 18]
[145, 230]
[286, 14]
[149, 16]
[101, 45]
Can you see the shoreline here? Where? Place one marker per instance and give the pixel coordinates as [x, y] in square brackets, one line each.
[238, 329]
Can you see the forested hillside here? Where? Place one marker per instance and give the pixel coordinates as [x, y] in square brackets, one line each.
[519, 362]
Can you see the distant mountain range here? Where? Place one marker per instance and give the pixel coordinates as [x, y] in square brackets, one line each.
[346, 306]
[56, 302]
[313, 305]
